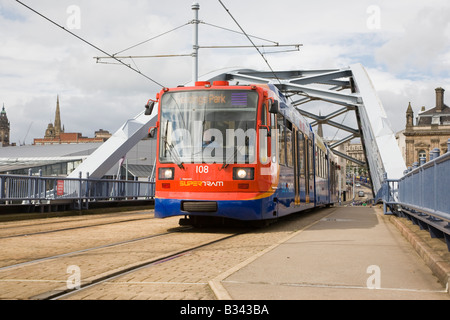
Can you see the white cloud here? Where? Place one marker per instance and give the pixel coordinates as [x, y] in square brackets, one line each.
[38, 60]
[421, 45]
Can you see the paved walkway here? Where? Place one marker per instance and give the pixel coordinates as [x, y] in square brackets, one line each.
[354, 253]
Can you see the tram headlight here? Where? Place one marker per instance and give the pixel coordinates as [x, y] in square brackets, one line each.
[243, 173]
[166, 173]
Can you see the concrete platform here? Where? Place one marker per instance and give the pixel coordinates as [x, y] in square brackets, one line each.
[354, 253]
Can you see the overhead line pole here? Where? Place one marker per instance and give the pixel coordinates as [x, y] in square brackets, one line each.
[195, 8]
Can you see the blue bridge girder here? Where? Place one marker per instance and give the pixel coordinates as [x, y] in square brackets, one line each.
[350, 88]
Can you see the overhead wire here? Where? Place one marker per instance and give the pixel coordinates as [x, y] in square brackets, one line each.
[234, 31]
[114, 56]
[262, 55]
[251, 41]
[152, 38]
[89, 43]
[254, 45]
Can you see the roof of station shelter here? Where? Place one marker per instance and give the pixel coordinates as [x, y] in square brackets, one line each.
[32, 156]
[14, 158]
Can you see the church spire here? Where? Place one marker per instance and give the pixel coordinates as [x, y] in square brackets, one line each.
[57, 118]
[409, 117]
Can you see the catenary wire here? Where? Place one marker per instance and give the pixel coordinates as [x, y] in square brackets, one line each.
[234, 31]
[89, 43]
[152, 38]
[251, 41]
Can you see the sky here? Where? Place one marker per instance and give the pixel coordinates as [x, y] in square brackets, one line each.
[404, 46]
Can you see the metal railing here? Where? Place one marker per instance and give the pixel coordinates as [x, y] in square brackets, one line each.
[423, 195]
[17, 189]
[427, 187]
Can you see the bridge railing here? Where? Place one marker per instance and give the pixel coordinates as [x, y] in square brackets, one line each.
[427, 187]
[18, 189]
[422, 195]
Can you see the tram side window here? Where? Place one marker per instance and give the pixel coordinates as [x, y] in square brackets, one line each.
[289, 146]
[264, 114]
[301, 154]
[282, 144]
[273, 144]
[321, 162]
[322, 174]
[263, 136]
[310, 159]
[316, 160]
[324, 169]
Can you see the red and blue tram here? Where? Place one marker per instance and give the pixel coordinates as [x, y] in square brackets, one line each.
[239, 152]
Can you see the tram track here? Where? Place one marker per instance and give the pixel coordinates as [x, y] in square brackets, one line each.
[42, 246]
[68, 292]
[71, 228]
[110, 245]
[45, 277]
[6, 228]
[158, 260]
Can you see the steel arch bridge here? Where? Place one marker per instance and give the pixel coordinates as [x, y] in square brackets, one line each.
[350, 89]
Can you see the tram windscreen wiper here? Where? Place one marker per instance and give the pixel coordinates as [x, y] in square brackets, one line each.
[230, 159]
[169, 147]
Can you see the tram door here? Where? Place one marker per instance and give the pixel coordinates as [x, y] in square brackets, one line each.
[301, 165]
[296, 166]
[308, 168]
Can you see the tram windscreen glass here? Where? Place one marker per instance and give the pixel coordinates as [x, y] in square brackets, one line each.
[208, 126]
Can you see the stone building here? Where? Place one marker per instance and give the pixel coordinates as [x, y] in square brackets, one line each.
[431, 130]
[4, 128]
[356, 151]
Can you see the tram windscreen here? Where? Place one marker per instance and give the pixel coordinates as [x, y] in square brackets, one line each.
[208, 126]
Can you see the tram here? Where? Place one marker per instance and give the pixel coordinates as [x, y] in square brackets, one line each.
[238, 152]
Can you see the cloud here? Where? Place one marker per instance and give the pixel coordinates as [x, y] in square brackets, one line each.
[408, 55]
[421, 46]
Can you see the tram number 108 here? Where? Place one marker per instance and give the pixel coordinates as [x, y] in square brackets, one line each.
[201, 169]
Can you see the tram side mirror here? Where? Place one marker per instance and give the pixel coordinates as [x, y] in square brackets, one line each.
[274, 106]
[265, 129]
[149, 107]
[152, 132]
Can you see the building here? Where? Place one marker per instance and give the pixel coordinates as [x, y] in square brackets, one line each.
[431, 130]
[61, 159]
[55, 134]
[60, 152]
[356, 151]
[4, 128]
